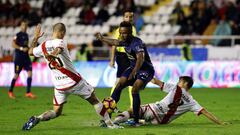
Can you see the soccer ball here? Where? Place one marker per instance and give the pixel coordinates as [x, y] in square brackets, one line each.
[109, 104]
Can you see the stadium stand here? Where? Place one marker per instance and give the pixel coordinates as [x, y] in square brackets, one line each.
[163, 19]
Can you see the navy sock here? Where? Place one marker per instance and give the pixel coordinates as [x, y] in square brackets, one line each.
[117, 93]
[12, 85]
[136, 106]
[29, 82]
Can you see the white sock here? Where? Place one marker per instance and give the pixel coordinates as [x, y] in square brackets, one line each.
[102, 112]
[47, 115]
[122, 117]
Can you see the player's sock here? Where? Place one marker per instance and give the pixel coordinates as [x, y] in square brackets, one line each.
[136, 106]
[122, 117]
[112, 89]
[102, 112]
[116, 93]
[12, 85]
[130, 96]
[47, 115]
[29, 82]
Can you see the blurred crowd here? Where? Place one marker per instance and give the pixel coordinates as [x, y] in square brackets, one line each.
[209, 17]
[11, 13]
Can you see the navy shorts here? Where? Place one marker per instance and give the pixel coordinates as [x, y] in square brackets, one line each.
[19, 65]
[122, 63]
[144, 75]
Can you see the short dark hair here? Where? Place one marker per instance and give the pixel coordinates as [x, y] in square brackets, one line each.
[59, 27]
[126, 24]
[127, 10]
[187, 79]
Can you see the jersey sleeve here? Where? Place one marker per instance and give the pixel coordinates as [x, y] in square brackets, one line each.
[167, 87]
[60, 44]
[37, 51]
[138, 46]
[196, 108]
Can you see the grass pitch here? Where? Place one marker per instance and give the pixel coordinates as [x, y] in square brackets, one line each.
[79, 117]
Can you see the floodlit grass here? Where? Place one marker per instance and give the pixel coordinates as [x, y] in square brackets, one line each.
[79, 117]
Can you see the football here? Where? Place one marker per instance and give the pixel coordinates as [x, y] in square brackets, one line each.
[110, 104]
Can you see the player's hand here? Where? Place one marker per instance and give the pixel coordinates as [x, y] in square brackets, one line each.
[50, 57]
[25, 49]
[38, 33]
[99, 36]
[132, 75]
[112, 64]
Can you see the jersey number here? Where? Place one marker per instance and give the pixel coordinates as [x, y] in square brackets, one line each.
[59, 62]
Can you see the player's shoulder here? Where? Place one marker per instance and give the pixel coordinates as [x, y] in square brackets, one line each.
[137, 40]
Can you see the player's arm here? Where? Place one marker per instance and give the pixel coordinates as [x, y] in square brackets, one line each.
[212, 117]
[112, 56]
[157, 82]
[109, 41]
[139, 62]
[37, 35]
[16, 46]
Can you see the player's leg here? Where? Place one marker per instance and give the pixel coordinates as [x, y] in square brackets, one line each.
[60, 97]
[117, 80]
[143, 77]
[17, 70]
[136, 99]
[122, 83]
[28, 68]
[130, 96]
[29, 94]
[118, 89]
[86, 91]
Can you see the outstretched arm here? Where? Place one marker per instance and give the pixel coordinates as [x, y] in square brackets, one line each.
[112, 57]
[157, 82]
[212, 117]
[109, 41]
[37, 35]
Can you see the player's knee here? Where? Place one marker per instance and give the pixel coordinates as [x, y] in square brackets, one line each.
[16, 76]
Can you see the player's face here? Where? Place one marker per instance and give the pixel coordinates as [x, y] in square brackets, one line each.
[128, 17]
[182, 84]
[23, 26]
[124, 33]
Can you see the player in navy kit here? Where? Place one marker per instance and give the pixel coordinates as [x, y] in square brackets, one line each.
[140, 71]
[21, 60]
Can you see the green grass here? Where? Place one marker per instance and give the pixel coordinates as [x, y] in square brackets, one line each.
[80, 118]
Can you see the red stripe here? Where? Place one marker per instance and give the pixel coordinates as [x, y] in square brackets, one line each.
[55, 101]
[173, 107]
[155, 115]
[103, 111]
[65, 71]
[200, 112]
[162, 86]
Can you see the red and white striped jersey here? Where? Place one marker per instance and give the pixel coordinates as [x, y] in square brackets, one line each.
[61, 81]
[175, 103]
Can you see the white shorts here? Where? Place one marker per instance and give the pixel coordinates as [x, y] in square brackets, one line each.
[82, 89]
[149, 114]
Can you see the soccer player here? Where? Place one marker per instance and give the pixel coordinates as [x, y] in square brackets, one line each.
[177, 102]
[21, 60]
[140, 71]
[118, 53]
[64, 76]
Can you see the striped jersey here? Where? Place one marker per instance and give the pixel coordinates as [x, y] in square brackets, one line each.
[177, 102]
[61, 81]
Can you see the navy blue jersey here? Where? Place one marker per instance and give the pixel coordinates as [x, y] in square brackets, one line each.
[133, 48]
[21, 40]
